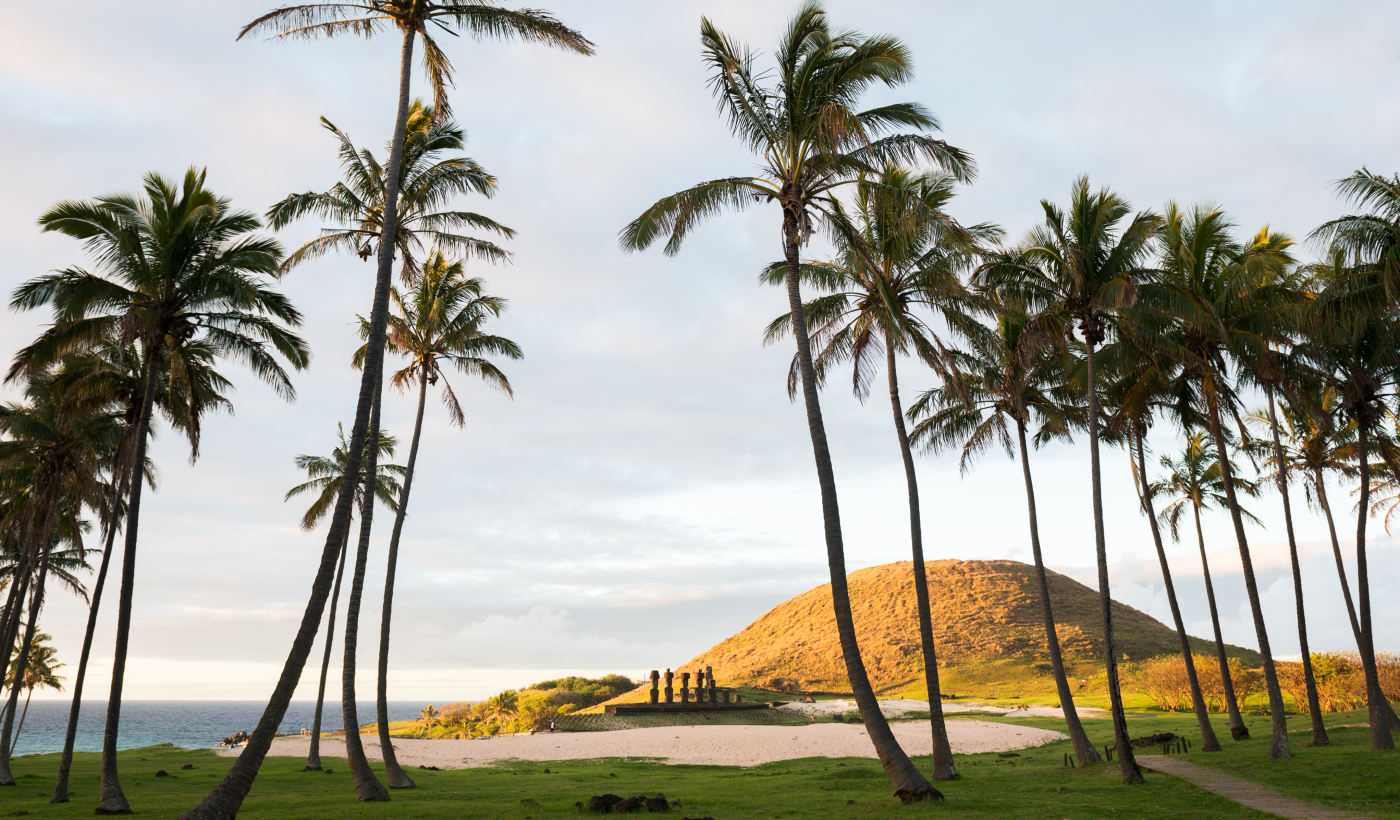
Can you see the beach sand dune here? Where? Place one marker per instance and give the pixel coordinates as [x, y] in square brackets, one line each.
[704, 745]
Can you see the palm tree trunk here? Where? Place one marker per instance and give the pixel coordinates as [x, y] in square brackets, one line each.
[943, 767]
[1391, 717]
[395, 774]
[1388, 456]
[22, 715]
[1238, 730]
[1123, 745]
[1084, 751]
[113, 801]
[65, 765]
[1381, 737]
[910, 785]
[1319, 731]
[1209, 743]
[36, 603]
[367, 786]
[226, 798]
[313, 756]
[9, 624]
[1278, 745]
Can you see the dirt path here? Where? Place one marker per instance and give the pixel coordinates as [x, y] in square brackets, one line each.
[1246, 793]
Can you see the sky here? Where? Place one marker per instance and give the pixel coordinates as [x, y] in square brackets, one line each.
[650, 489]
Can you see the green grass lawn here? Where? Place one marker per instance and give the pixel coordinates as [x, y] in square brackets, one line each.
[1032, 785]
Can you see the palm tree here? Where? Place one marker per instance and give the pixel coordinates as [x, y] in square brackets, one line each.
[181, 269]
[1080, 268]
[1005, 379]
[1195, 481]
[812, 140]
[502, 707]
[1228, 302]
[39, 673]
[428, 716]
[412, 18]
[1354, 341]
[427, 181]
[107, 374]
[59, 453]
[898, 251]
[325, 475]
[440, 322]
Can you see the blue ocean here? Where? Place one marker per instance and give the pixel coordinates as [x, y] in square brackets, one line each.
[190, 724]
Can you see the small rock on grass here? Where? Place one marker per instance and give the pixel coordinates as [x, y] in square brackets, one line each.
[187, 767]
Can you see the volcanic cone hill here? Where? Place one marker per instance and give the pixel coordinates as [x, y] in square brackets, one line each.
[982, 611]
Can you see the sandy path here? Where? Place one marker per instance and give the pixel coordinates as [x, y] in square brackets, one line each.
[706, 745]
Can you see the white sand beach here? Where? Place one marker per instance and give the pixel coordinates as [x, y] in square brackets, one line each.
[706, 745]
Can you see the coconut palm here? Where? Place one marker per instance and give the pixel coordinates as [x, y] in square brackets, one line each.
[1195, 482]
[439, 322]
[427, 182]
[1354, 341]
[1228, 300]
[39, 673]
[325, 475]
[58, 452]
[899, 254]
[802, 121]
[180, 270]
[1080, 268]
[1005, 383]
[412, 18]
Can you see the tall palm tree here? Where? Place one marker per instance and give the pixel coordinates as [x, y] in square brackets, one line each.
[439, 322]
[412, 18]
[61, 451]
[802, 121]
[1006, 382]
[180, 269]
[898, 252]
[1080, 268]
[427, 183]
[41, 672]
[324, 477]
[108, 375]
[1354, 341]
[1195, 481]
[1228, 301]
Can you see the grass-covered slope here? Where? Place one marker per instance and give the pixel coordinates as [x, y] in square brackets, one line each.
[983, 611]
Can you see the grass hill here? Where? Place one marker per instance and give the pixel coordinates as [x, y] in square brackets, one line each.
[986, 615]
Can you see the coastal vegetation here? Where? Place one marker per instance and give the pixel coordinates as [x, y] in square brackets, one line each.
[1102, 321]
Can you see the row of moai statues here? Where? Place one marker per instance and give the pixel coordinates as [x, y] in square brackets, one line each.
[704, 687]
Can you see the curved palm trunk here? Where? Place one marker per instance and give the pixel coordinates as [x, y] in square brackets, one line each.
[65, 765]
[367, 786]
[9, 624]
[1278, 744]
[1238, 730]
[1381, 737]
[28, 695]
[943, 767]
[313, 755]
[1209, 743]
[393, 772]
[910, 785]
[226, 798]
[113, 800]
[1391, 717]
[1319, 731]
[1084, 751]
[22, 662]
[1123, 745]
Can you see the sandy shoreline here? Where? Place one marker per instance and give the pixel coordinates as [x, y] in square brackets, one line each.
[704, 745]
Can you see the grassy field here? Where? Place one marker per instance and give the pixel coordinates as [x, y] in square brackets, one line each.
[1032, 784]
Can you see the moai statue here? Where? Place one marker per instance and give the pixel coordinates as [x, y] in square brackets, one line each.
[699, 686]
[670, 693]
[710, 679]
[685, 687]
[655, 677]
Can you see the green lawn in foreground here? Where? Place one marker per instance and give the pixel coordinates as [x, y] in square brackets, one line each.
[1032, 785]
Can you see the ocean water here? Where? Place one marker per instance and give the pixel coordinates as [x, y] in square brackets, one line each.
[190, 724]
